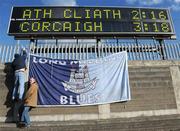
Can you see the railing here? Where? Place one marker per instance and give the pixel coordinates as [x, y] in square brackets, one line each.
[7, 52]
[93, 50]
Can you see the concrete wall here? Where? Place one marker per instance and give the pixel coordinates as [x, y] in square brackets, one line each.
[155, 90]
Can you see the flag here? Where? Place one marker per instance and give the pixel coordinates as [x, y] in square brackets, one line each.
[81, 82]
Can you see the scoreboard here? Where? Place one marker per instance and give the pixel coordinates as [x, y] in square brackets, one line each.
[88, 22]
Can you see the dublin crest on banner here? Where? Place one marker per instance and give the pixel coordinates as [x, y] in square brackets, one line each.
[81, 82]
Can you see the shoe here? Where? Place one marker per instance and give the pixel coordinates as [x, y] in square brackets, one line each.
[27, 126]
[24, 126]
[22, 123]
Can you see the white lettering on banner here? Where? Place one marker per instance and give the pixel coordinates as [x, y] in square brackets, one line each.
[74, 62]
[99, 61]
[71, 100]
[63, 100]
[44, 61]
[40, 60]
[61, 62]
[81, 99]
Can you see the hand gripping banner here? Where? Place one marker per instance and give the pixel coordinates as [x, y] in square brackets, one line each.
[81, 82]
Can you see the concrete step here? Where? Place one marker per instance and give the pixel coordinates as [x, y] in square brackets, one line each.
[149, 93]
[158, 123]
[53, 110]
[150, 84]
[144, 107]
[149, 100]
[148, 69]
[155, 90]
[150, 79]
[65, 110]
[149, 74]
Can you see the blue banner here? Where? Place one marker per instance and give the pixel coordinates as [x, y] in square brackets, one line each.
[81, 82]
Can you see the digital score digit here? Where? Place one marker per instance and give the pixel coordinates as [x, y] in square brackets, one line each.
[89, 22]
[135, 15]
[137, 26]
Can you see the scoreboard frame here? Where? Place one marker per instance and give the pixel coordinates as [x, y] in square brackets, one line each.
[93, 34]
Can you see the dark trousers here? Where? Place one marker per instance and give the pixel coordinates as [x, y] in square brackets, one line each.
[17, 110]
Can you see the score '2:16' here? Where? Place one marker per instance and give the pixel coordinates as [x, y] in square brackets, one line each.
[149, 14]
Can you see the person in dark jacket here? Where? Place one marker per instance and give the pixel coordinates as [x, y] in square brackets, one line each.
[19, 67]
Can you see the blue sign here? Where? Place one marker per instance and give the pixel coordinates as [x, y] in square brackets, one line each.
[81, 82]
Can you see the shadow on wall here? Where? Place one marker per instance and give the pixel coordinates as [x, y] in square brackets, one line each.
[9, 83]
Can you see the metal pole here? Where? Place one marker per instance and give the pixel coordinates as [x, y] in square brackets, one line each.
[77, 41]
[56, 42]
[97, 41]
[136, 41]
[162, 50]
[31, 45]
[137, 52]
[117, 42]
[97, 47]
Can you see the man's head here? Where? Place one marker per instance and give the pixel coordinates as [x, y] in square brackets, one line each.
[24, 51]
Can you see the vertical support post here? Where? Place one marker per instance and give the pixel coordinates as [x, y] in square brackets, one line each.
[31, 45]
[97, 41]
[77, 41]
[161, 43]
[56, 42]
[136, 41]
[136, 50]
[154, 41]
[97, 47]
[104, 111]
[117, 41]
[117, 45]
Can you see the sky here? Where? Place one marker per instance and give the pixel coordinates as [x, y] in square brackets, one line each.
[6, 5]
